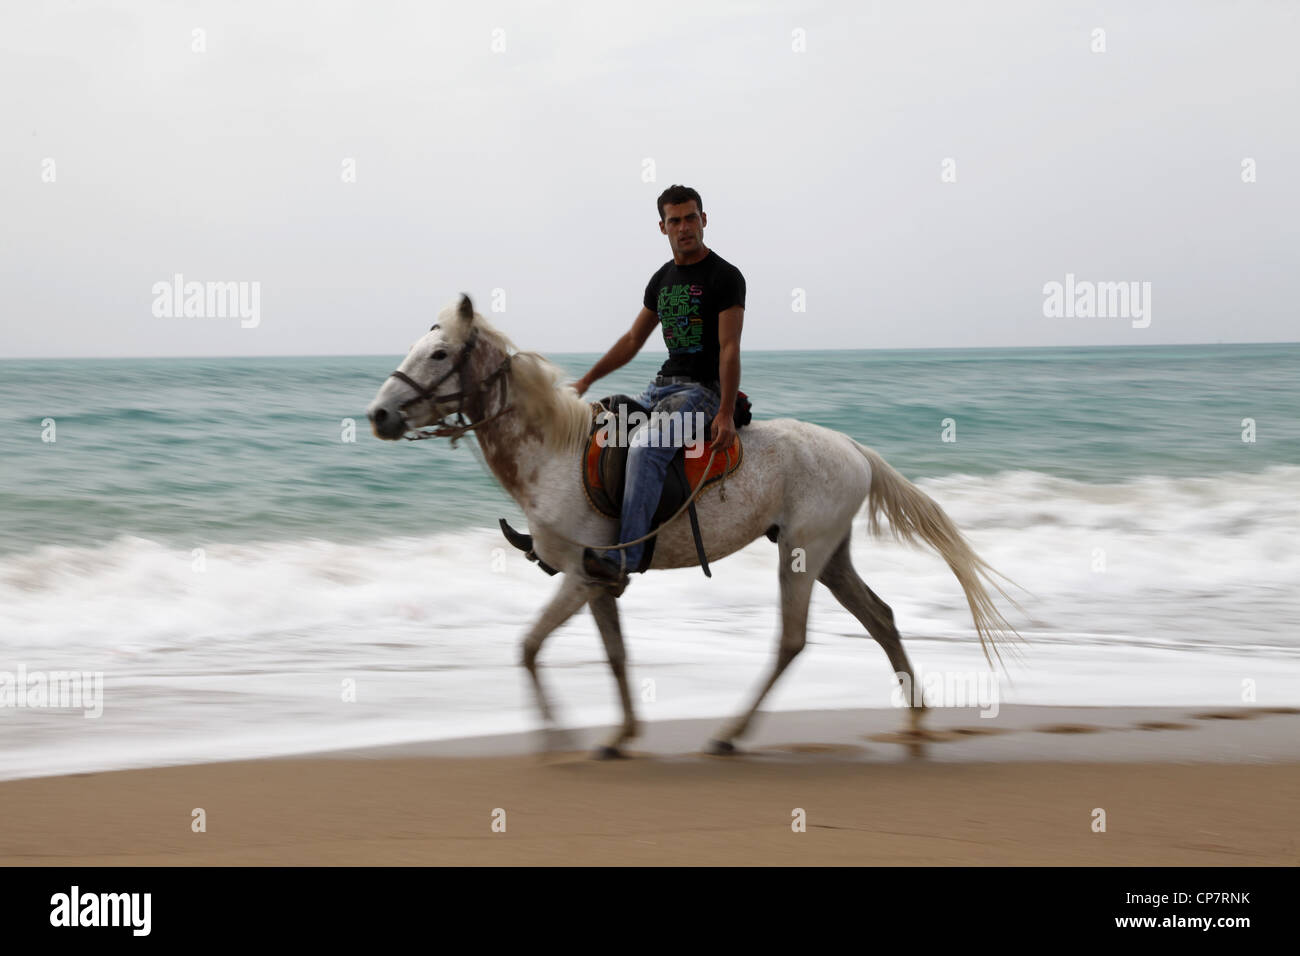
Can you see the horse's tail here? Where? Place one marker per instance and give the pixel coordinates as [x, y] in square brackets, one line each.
[913, 514]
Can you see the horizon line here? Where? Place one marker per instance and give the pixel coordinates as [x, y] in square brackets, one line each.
[920, 348]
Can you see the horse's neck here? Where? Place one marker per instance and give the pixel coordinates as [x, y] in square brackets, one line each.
[512, 451]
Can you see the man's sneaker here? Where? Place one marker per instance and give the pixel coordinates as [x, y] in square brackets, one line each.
[604, 570]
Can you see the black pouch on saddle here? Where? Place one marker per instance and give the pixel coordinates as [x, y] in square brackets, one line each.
[743, 415]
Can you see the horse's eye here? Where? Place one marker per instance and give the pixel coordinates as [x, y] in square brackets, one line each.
[439, 355]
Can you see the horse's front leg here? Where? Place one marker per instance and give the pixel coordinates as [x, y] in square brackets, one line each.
[604, 608]
[573, 593]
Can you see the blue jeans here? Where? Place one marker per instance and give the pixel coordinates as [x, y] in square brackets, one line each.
[648, 456]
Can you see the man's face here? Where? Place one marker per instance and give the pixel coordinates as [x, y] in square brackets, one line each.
[683, 224]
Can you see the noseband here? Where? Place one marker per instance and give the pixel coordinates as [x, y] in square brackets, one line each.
[444, 428]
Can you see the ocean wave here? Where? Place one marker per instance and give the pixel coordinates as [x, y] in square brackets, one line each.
[1153, 547]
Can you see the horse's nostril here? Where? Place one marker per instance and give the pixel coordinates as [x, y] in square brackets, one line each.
[378, 416]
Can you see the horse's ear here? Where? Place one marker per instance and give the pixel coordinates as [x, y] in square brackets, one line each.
[465, 311]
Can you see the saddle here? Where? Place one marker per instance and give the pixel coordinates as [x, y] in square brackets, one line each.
[604, 473]
[604, 467]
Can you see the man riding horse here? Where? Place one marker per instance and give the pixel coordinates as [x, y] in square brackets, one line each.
[698, 300]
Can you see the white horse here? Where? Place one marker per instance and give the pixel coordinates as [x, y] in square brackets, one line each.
[806, 481]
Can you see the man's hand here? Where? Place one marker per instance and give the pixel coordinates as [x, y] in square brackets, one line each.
[723, 430]
[581, 385]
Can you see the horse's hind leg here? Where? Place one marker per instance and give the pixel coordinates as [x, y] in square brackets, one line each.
[604, 608]
[796, 591]
[876, 616]
[573, 593]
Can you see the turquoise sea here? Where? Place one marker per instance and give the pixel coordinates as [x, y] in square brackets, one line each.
[195, 451]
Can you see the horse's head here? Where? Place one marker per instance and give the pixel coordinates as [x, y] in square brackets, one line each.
[430, 383]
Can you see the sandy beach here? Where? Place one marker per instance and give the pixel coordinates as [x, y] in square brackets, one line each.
[1178, 786]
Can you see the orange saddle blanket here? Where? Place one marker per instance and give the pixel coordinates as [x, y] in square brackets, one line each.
[604, 471]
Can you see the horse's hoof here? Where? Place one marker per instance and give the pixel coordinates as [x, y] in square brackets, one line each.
[607, 752]
[721, 748]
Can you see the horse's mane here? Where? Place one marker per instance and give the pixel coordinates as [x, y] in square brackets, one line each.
[537, 390]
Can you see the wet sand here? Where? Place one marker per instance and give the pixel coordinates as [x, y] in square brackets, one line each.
[1179, 786]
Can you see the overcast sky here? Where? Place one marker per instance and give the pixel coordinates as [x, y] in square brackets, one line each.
[522, 169]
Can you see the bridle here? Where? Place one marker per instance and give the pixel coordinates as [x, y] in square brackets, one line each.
[444, 428]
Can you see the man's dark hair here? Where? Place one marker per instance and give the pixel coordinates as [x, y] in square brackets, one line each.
[678, 194]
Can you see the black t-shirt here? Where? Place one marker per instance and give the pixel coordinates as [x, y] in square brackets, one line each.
[687, 300]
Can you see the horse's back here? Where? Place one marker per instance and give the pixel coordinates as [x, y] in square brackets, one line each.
[811, 452]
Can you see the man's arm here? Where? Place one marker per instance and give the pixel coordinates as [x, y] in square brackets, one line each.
[624, 349]
[729, 325]
[730, 322]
